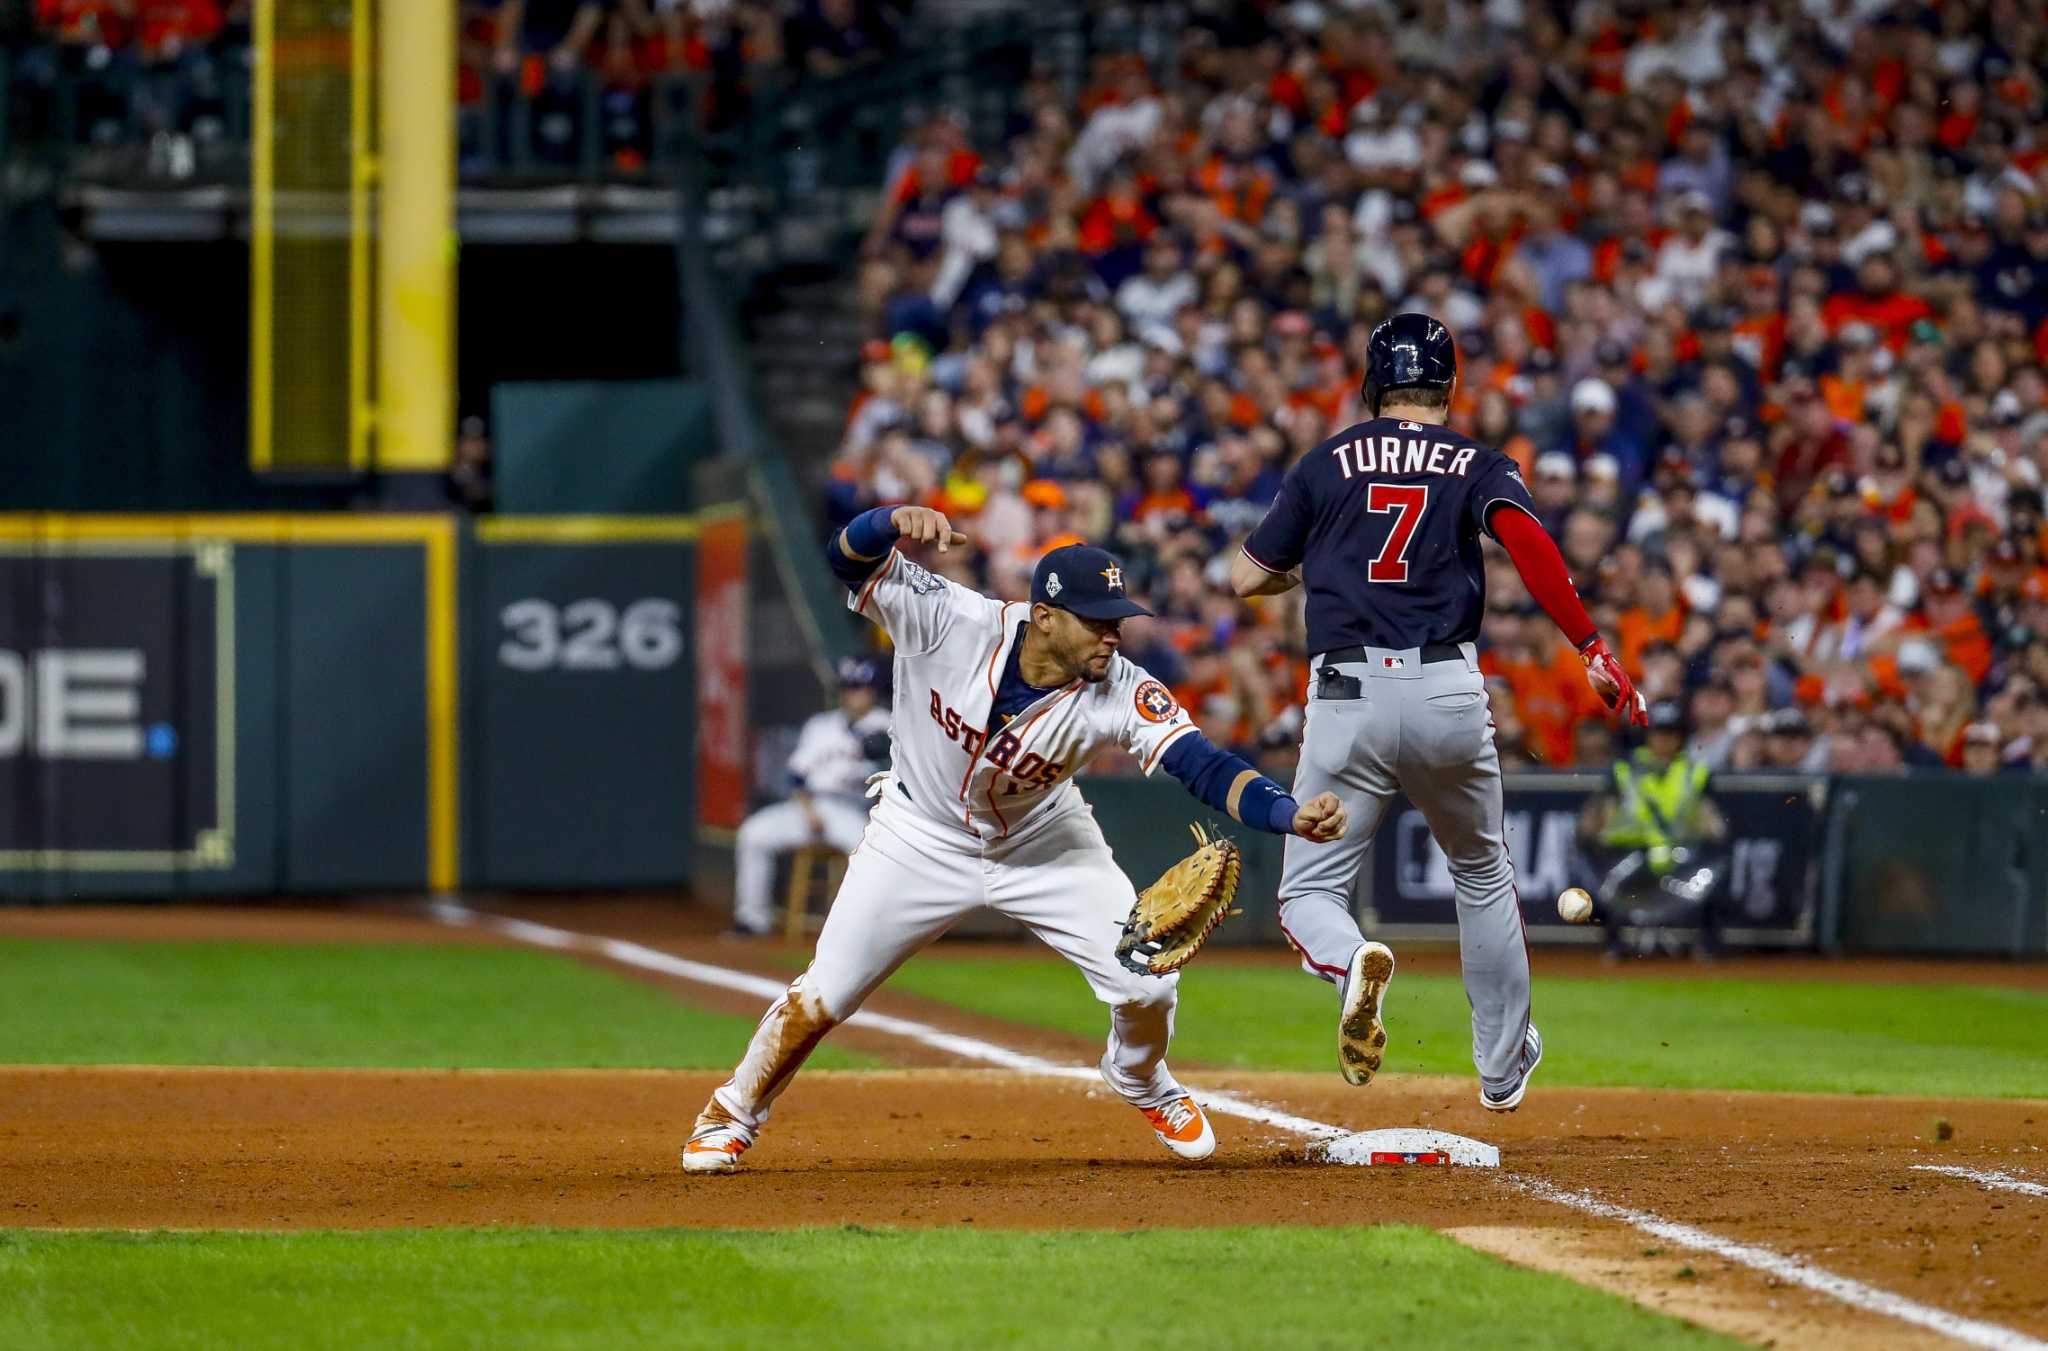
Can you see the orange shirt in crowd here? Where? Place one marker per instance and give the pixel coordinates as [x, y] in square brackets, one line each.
[1638, 628]
[1964, 643]
[961, 166]
[1151, 504]
[1844, 398]
[1550, 698]
[1892, 315]
[1112, 219]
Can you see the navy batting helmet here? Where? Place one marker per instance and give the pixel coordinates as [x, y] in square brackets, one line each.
[1408, 351]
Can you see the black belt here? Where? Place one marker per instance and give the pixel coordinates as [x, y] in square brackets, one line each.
[1431, 652]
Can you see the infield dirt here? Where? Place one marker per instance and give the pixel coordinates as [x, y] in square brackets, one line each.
[1826, 1178]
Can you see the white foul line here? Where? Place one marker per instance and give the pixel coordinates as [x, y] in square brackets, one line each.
[967, 1048]
[1791, 1270]
[1856, 1294]
[1985, 1177]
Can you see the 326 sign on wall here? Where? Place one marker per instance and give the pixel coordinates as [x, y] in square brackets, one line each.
[591, 635]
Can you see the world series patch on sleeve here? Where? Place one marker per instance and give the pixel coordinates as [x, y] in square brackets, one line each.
[1176, 914]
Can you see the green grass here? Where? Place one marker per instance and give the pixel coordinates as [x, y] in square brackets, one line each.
[812, 1288]
[1781, 1036]
[89, 1003]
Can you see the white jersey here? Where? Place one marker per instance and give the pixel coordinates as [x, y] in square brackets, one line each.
[952, 646]
[828, 761]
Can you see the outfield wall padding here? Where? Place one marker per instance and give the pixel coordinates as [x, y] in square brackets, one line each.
[250, 704]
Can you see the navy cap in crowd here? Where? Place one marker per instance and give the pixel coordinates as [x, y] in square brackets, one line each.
[1666, 716]
[1085, 580]
[860, 672]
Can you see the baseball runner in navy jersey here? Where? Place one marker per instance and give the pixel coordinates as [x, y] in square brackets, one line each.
[1383, 521]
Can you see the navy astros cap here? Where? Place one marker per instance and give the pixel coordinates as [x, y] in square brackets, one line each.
[864, 672]
[1085, 580]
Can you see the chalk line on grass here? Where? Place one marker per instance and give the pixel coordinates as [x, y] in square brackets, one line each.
[1856, 1294]
[1791, 1270]
[1984, 1177]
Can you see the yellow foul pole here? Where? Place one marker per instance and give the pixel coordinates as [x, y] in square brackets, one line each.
[415, 346]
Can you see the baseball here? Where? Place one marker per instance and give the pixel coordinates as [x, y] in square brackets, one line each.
[1574, 906]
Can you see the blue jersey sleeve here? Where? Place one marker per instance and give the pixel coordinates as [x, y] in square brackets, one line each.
[1500, 483]
[1280, 541]
[1225, 782]
[869, 534]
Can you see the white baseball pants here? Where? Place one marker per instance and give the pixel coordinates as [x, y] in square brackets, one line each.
[777, 830]
[909, 881]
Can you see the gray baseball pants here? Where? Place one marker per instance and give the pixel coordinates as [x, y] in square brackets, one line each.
[1425, 730]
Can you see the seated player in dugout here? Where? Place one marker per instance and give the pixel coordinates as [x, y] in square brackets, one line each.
[998, 705]
[1653, 843]
[828, 771]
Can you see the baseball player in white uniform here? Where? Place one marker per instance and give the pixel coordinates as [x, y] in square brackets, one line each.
[998, 705]
[828, 770]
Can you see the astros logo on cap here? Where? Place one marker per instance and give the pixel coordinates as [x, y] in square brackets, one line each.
[1115, 576]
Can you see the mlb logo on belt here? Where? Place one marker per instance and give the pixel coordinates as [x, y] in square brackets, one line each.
[1393, 663]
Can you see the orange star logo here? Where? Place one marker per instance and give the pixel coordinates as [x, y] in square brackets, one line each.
[1115, 577]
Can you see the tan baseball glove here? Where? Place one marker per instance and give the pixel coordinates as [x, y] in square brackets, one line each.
[1175, 915]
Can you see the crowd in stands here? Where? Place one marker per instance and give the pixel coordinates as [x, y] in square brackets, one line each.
[144, 67]
[1755, 294]
[138, 67]
[545, 51]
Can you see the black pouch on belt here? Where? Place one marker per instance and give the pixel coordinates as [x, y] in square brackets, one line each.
[1332, 683]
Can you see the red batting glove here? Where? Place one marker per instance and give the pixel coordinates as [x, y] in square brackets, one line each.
[1612, 684]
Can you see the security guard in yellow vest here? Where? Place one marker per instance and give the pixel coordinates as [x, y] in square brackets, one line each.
[1653, 831]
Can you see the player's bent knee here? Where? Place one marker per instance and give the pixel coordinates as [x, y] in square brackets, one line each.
[836, 997]
[1146, 992]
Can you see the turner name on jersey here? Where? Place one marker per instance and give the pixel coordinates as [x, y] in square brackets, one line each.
[1399, 454]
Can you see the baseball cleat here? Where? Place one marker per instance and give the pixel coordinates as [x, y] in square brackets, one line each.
[1361, 1035]
[1509, 1100]
[1183, 1127]
[717, 1142]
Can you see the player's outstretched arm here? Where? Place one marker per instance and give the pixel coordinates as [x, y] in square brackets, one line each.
[1249, 578]
[1543, 571]
[868, 537]
[1225, 782]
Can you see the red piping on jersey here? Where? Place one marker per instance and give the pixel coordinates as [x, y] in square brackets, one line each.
[1543, 570]
[993, 657]
[1245, 549]
[1315, 965]
[1002, 623]
[1160, 749]
[876, 580]
[1071, 689]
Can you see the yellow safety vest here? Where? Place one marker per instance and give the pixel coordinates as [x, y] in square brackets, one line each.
[1659, 808]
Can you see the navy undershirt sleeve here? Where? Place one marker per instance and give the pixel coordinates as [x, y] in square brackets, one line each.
[1207, 771]
[869, 534]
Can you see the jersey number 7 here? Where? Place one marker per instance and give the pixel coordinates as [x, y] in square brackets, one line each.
[1407, 501]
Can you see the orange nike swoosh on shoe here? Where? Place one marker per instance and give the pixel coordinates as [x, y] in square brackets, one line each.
[1179, 1120]
[1182, 1128]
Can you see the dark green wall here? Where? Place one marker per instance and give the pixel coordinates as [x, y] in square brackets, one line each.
[620, 447]
[126, 386]
[328, 718]
[351, 763]
[579, 763]
[577, 748]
